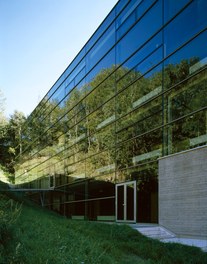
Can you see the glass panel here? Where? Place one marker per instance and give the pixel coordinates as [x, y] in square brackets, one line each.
[140, 121]
[127, 11]
[101, 47]
[104, 139]
[101, 118]
[76, 171]
[140, 150]
[138, 94]
[120, 5]
[141, 55]
[75, 153]
[147, 82]
[120, 202]
[134, 11]
[101, 71]
[79, 77]
[75, 211]
[187, 97]
[100, 164]
[127, 23]
[185, 25]
[73, 103]
[143, 6]
[186, 61]
[103, 88]
[101, 209]
[130, 189]
[69, 87]
[172, 7]
[58, 95]
[101, 186]
[140, 33]
[75, 72]
[75, 192]
[187, 133]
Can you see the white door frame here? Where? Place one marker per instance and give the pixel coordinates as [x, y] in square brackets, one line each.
[125, 184]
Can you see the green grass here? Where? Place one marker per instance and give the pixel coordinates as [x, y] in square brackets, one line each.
[39, 236]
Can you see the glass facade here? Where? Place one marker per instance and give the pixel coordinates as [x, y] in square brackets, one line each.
[136, 91]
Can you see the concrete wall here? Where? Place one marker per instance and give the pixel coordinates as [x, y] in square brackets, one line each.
[183, 192]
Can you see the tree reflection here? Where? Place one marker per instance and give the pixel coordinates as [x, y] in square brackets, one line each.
[116, 121]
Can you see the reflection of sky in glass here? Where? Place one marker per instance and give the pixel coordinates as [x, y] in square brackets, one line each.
[185, 26]
[176, 33]
[171, 7]
[190, 21]
[195, 49]
[142, 53]
[140, 33]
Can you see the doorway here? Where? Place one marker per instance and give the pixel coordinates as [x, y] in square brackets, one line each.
[126, 198]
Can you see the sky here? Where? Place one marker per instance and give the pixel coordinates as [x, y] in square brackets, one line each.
[38, 40]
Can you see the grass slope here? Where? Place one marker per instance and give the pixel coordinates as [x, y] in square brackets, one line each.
[39, 236]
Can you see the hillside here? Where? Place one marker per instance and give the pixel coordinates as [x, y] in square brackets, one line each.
[40, 236]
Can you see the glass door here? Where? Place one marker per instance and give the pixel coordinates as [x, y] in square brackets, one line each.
[126, 202]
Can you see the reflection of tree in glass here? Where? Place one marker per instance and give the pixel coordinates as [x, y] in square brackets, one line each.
[86, 136]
